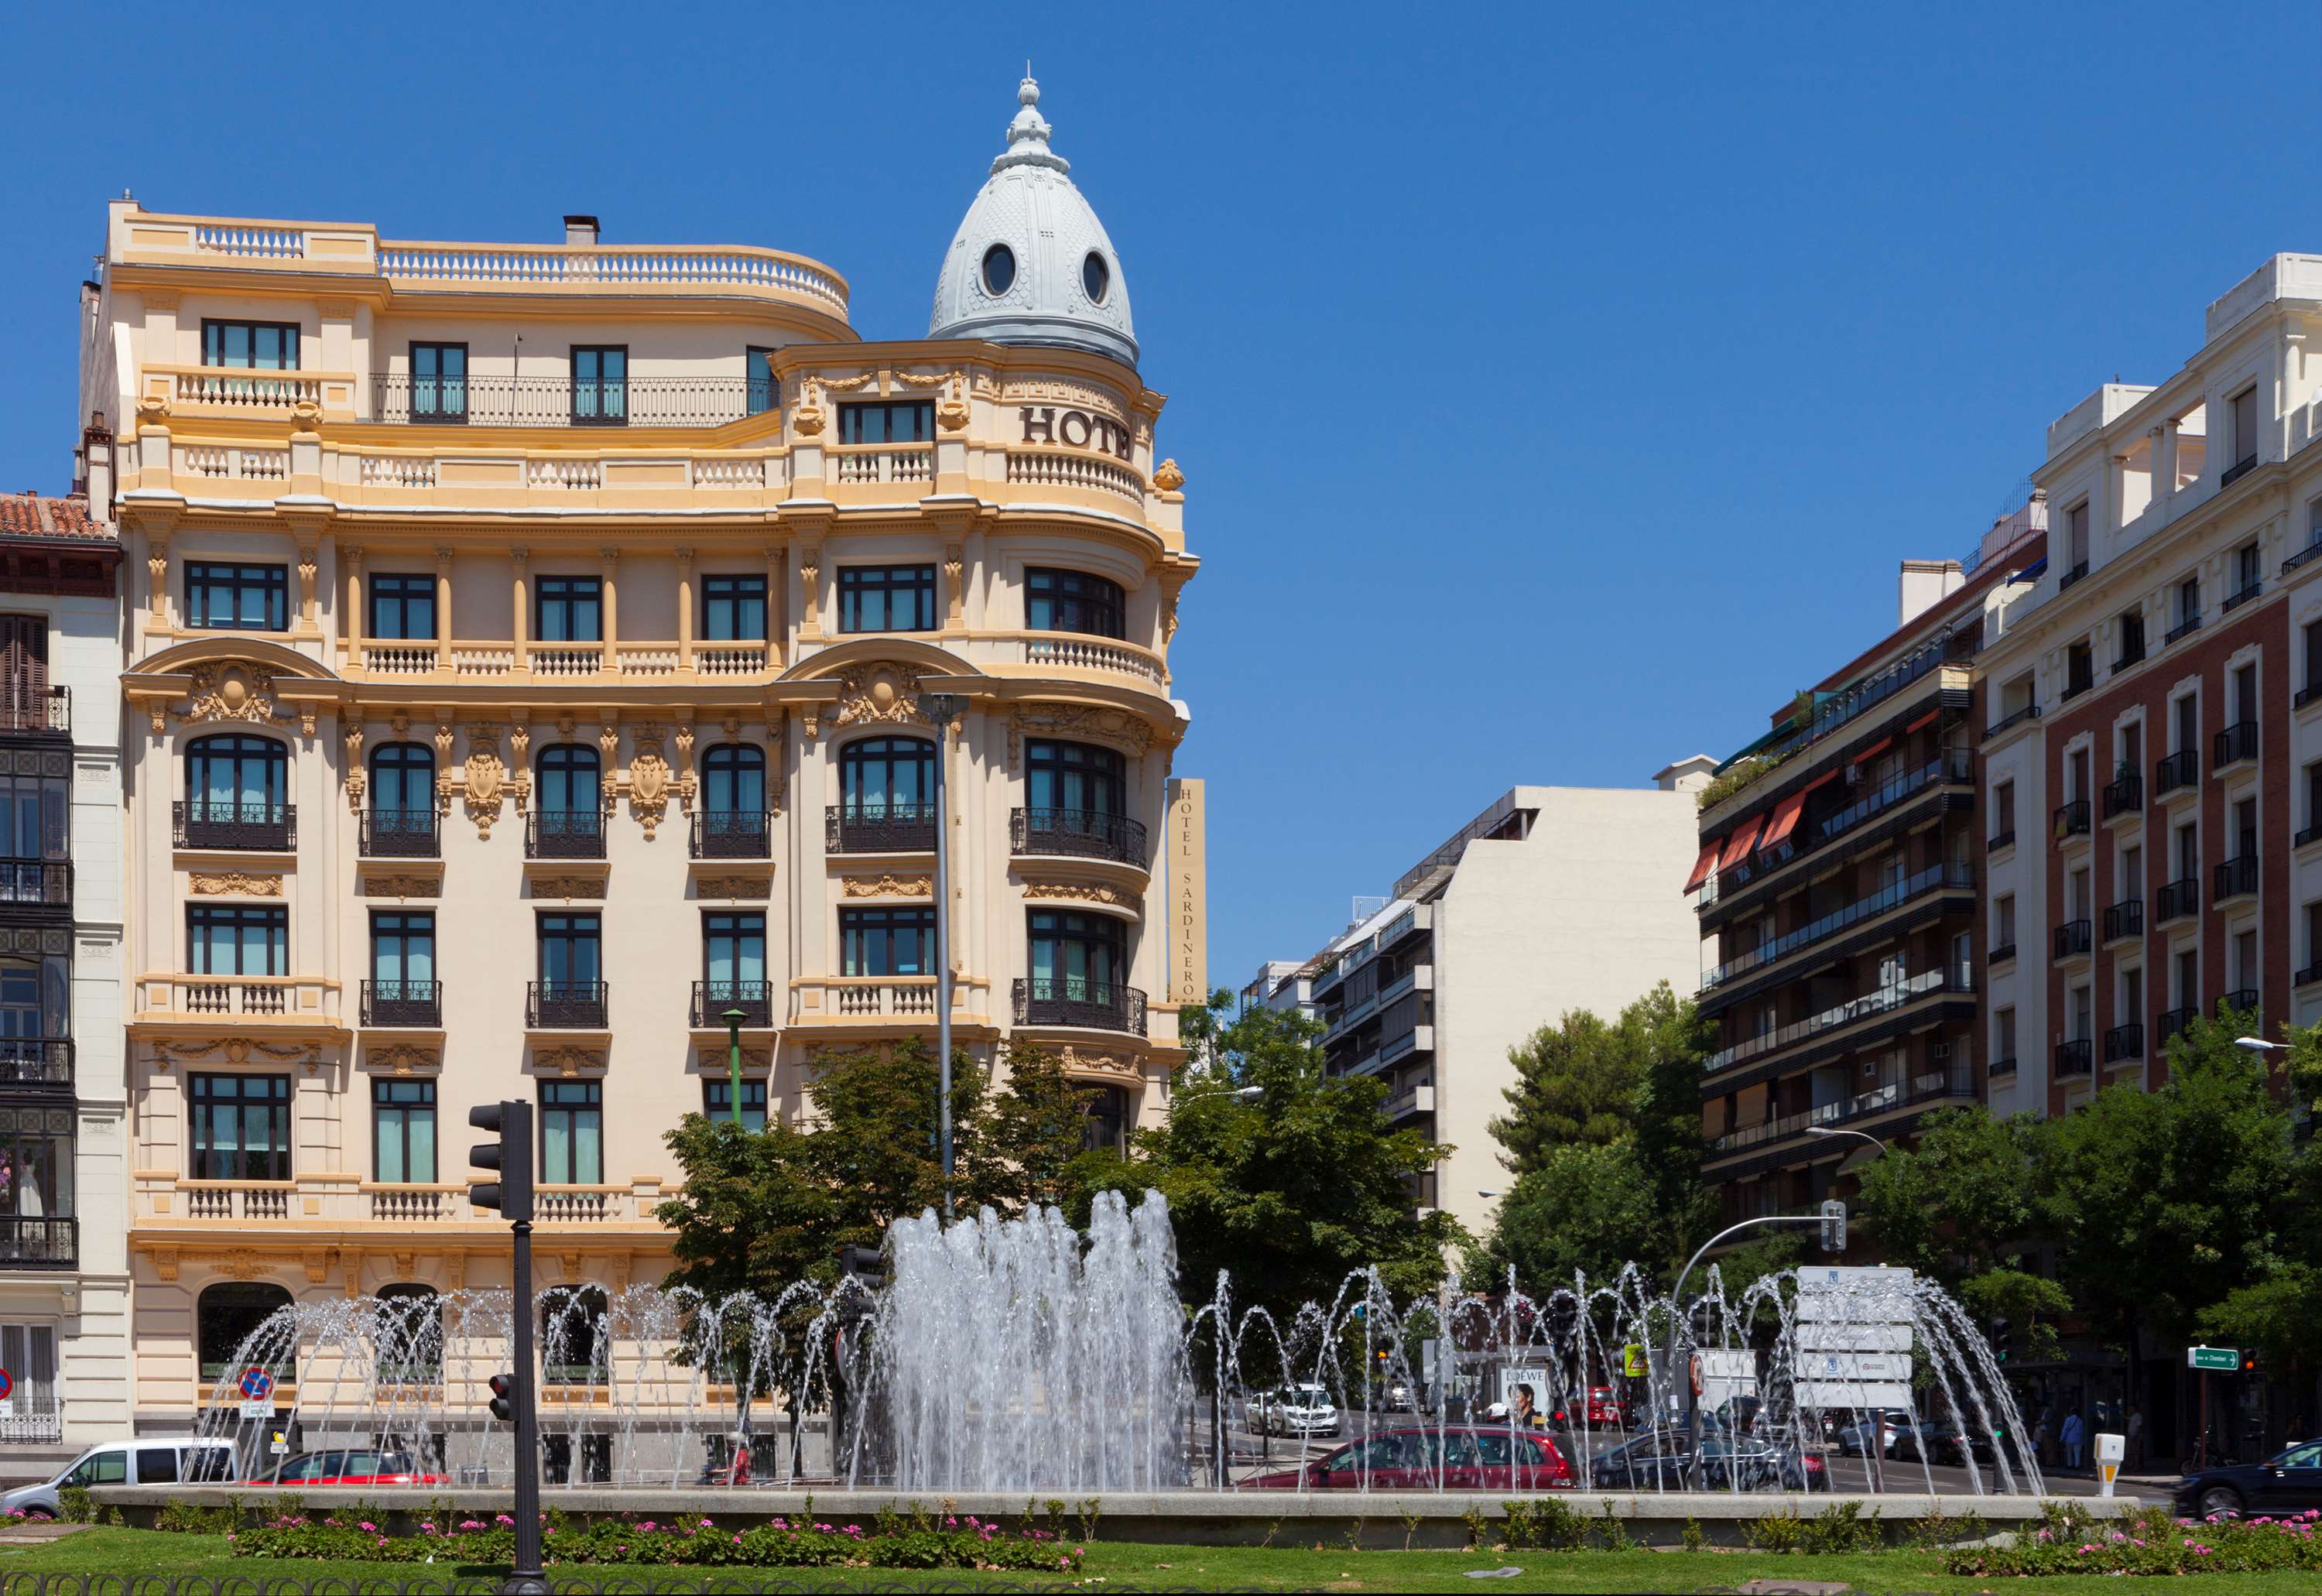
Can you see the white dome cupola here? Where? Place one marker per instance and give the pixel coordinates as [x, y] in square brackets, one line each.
[1030, 263]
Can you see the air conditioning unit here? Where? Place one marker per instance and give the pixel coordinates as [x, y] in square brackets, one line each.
[1940, 1050]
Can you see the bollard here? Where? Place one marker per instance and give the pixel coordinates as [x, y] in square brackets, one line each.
[2109, 1449]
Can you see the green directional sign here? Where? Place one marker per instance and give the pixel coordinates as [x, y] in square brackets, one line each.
[2226, 1359]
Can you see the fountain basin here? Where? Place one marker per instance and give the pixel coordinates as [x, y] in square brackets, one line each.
[1171, 1517]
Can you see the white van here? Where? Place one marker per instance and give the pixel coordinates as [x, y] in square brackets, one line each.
[157, 1460]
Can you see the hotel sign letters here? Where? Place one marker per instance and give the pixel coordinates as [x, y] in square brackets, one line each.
[1046, 424]
[1189, 891]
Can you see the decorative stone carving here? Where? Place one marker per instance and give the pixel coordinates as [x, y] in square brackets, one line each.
[809, 578]
[520, 762]
[402, 887]
[887, 887]
[734, 886]
[1167, 478]
[649, 779]
[1116, 726]
[567, 1060]
[350, 1273]
[443, 764]
[486, 777]
[713, 1060]
[236, 1050]
[241, 1263]
[455, 1270]
[1081, 892]
[878, 692]
[808, 418]
[317, 1263]
[1077, 1061]
[956, 581]
[231, 689]
[950, 413]
[357, 776]
[567, 886]
[233, 883]
[165, 1263]
[401, 1058]
[610, 739]
[686, 783]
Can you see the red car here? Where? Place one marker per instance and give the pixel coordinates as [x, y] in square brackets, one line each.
[1605, 1408]
[351, 1468]
[1423, 1460]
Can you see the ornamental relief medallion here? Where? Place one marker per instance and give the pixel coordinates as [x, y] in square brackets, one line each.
[233, 883]
[231, 690]
[567, 886]
[648, 780]
[485, 777]
[880, 692]
[567, 1060]
[1084, 892]
[402, 887]
[402, 1058]
[886, 886]
[733, 887]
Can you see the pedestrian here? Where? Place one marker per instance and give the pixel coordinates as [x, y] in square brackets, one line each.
[2040, 1438]
[2070, 1435]
[2135, 1447]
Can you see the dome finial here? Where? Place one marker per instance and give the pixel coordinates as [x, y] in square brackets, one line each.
[1028, 135]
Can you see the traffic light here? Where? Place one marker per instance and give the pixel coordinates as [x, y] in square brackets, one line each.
[867, 1264]
[2003, 1339]
[504, 1398]
[511, 1156]
[1833, 1226]
[2249, 1363]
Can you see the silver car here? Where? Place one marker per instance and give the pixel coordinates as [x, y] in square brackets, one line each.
[1301, 1411]
[157, 1460]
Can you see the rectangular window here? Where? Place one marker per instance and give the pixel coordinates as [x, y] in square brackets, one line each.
[2312, 633]
[439, 383]
[2246, 568]
[402, 606]
[887, 598]
[888, 941]
[2188, 853]
[237, 939]
[2189, 723]
[221, 596]
[2003, 933]
[2076, 527]
[717, 1102]
[2189, 603]
[29, 1353]
[761, 392]
[2003, 1033]
[403, 949]
[1073, 601]
[255, 346]
[600, 385]
[2244, 407]
[568, 609]
[2189, 978]
[35, 814]
[403, 1131]
[2003, 809]
[734, 956]
[572, 1133]
[568, 954]
[880, 422]
[2246, 693]
[2314, 799]
[242, 1127]
[733, 609]
[2246, 971]
[2313, 935]
[2132, 637]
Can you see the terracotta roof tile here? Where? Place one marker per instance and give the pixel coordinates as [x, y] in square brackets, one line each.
[31, 515]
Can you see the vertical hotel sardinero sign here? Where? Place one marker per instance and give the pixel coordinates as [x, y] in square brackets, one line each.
[1189, 891]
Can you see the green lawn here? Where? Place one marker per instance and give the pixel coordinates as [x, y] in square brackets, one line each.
[1127, 1566]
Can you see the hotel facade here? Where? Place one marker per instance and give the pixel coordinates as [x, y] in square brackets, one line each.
[529, 658]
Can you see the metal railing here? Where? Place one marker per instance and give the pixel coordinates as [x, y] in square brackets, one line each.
[2239, 597]
[2001, 1067]
[2173, 898]
[2123, 796]
[2233, 878]
[2124, 918]
[2014, 718]
[2071, 820]
[566, 1004]
[2305, 556]
[403, 1003]
[1878, 1100]
[2172, 1021]
[2241, 1000]
[47, 882]
[2180, 768]
[564, 833]
[1077, 834]
[883, 828]
[712, 998]
[1934, 878]
[2236, 741]
[2124, 1042]
[559, 402]
[1960, 979]
[261, 829]
[1951, 765]
[38, 1241]
[733, 833]
[2072, 939]
[2237, 471]
[36, 1060]
[2076, 1058]
[1048, 1000]
[1841, 708]
[2181, 631]
[401, 833]
[30, 711]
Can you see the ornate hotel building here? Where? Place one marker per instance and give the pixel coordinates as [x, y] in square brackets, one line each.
[529, 657]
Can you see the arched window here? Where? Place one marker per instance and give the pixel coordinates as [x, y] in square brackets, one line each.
[234, 777]
[571, 818]
[227, 1319]
[1076, 800]
[402, 818]
[410, 1334]
[575, 1340]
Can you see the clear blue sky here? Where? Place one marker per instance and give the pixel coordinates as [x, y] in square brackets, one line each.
[1556, 386]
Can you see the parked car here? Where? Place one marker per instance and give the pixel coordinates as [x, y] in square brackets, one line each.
[1425, 1460]
[1661, 1461]
[1943, 1441]
[146, 1460]
[1392, 1397]
[1856, 1439]
[1604, 1408]
[1299, 1410]
[2289, 1482]
[351, 1467]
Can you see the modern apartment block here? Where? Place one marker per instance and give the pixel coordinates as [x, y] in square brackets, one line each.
[1836, 883]
[64, 1277]
[2152, 753]
[536, 654]
[1554, 898]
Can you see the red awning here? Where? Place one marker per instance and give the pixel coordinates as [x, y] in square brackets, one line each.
[1872, 751]
[1705, 863]
[1738, 846]
[1925, 719]
[1825, 779]
[1785, 821]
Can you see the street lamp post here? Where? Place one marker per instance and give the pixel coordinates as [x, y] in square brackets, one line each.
[734, 1018]
[1240, 1094]
[1832, 1130]
[941, 709]
[2259, 1045]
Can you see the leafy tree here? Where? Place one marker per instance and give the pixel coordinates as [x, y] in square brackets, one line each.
[755, 1215]
[1584, 1207]
[1577, 1082]
[1961, 1203]
[2278, 1316]
[1038, 1132]
[876, 1143]
[1670, 1143]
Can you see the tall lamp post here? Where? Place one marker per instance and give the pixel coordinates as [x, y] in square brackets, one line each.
[1240, 1094]
[941, 709]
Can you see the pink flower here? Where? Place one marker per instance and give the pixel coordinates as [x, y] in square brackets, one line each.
[737, 1540]
[372, 1528]
[504, 1518]
[705, 1524]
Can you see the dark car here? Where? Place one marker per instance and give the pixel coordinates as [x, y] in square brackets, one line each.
[1425, 1460]
[2289, 1482]
[1943, 1441]
[1661, 1461]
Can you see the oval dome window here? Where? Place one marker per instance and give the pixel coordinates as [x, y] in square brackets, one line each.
[998, 269]
[1096, 277]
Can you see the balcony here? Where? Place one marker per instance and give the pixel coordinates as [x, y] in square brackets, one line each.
[1930, 1087]
[2237, 743]
[1050, 650]
[2079, 573]
[2123, 796]
[295, 1002]
[34, 1241]
[2308, 976]
[2176, 899]
[1410, 1102]
[416, 1003]
[2072, 939]
[2305, 556]
[2312, 833]
[2132, 650]
[559, 402]
[401, 833]
[225, 1199]
[2181, 631]
[2123, 1043]
[2005, 952]
[1049, 1001]
[2242, 1000]
[884, 828]
[35, 1061]
[2010, 720]
[2124, 918]
[2235, 878]
[2240, 596]
[1935, 877]
[2005, 839]
[1885, 1001]
[36, 711]
[251, 829]
[2306, 695]
[2075, 1058]
[2172, 1021]
[2237, 471]
[1077, 834]
[36, 883]
[566, 1004]
[1724, 890]
[733, 833]
[2180, 768]
[2001, 1068]
[713, 998]
[2080, 681]
[564, 833]
[2071, 820]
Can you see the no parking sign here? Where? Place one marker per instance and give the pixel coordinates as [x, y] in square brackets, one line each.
[6, 1385]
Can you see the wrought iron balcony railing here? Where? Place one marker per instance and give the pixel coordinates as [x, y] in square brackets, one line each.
[2123, 1042]
[2173, 1020]
[43, 882]
[880, 829]
[36, 1062]
[564, 833]
[2124, 918]
[2233, 878]
[2072, 938]
[566, 1004]
[2075, 1058]
[2180, 768]
[2237, 743]
[36, 711]
[2123, 796]
[2241, 1000]
[1048, 1001]
[733, 833]
[401, 833]
[2071, 820]
[403, 1003]
[38, 1241]
[2175, 899]
[1078, 834]
[260, 828]
[713, 998]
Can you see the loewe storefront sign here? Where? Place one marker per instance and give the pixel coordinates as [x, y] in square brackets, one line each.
[1045, 423]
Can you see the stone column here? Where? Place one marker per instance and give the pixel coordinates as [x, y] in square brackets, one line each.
[612, 570]
[523, 598]
[350, 625]
[444, 609]
[775, 605]
[685, 609]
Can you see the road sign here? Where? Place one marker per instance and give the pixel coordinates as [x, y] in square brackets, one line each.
[257, 1384]
[1825, 1366]
[1632, 1361]
[2225, 1359]
[6, 1385]
[1839, 1335]
[1859, 1295]
[1852, 1393]
[257, 1407]
[1727, 1372]
[281, 1445]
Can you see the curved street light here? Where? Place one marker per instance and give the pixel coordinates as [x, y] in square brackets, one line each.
[1240, 1094]
[1832, 1130]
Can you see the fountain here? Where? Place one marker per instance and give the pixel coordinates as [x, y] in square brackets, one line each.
[1017, 1355]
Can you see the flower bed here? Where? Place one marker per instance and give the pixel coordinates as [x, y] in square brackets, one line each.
[2150, 1542]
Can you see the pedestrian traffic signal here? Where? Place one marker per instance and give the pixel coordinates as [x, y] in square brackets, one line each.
[511, 1156]
[504, 1398]
[2249, 1363]
[2002, 1338]
[1833, 1226]
[867, 1264]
